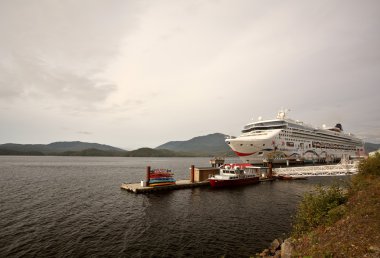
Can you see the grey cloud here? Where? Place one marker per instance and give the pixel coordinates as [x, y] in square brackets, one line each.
[59, 49]
[242, 58]
[113, 109]
[31, 78]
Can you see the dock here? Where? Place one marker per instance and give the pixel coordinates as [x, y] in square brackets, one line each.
[341, 169]
[198, 177]
[180, 184]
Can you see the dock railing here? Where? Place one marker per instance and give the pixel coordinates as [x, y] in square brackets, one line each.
[343, 168]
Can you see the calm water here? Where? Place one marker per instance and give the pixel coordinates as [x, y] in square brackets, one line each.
[73, 206]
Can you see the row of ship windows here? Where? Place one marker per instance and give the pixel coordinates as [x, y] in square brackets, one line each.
[321, 145]
[303, 140]
[290, 139]
[290, 134]
[316, 145]
[251, 144]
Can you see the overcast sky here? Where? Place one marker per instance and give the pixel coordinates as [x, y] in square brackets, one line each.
[141, 73]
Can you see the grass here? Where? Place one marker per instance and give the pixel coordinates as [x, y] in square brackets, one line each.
[334, 223]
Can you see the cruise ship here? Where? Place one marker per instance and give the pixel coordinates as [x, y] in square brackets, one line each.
[282, 140]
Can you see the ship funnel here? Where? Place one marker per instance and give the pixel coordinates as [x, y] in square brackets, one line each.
[339, 126]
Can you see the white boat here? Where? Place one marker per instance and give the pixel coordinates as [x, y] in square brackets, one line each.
[236, 175]
[283, 139]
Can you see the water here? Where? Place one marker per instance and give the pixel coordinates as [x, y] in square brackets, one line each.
[73, 206]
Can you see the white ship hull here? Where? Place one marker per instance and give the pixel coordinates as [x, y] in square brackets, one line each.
[283, 139]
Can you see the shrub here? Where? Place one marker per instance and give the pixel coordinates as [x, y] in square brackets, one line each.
[321, 207]
[368, 170]
[370, 166]
[335, 214]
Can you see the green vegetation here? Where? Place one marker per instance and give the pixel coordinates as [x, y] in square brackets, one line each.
[336, 223]
[55, 148]
[20, 153]
[148, 152]
[370, 167]
[207, 145]
[324, 206]
[91, 153]
[204, 146]
[369, 147]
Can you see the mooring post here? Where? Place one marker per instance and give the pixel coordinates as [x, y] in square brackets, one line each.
[270, 169]
[147, 175]
[192, 174]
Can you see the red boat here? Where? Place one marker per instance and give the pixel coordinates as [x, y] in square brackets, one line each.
[235, 175]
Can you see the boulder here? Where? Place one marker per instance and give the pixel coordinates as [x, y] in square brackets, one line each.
[287, 248]
[275, 245]
[277, 254]
[265, 253]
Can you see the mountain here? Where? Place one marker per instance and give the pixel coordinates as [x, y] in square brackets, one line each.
[207, 145]
[212, 144]
[14, 148]
[53, 148]
[79, 146]
[93, 153]
[369, 147]
[148, 152]
[85, 149]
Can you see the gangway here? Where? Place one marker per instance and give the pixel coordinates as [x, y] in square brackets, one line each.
[341, 169]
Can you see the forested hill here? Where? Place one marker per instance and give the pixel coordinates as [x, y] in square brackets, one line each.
[369, 147]
[89, 149]
[53, 148]
[208, 145]
[212, 144]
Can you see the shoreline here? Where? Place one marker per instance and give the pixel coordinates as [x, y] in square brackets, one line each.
[349, 229]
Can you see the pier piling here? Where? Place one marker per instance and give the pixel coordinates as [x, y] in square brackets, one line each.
[147, 175]
[192, 169]
[270, 166]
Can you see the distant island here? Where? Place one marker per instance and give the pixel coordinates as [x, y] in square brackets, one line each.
[200, 146]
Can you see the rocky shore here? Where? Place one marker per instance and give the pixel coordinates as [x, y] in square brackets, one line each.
[336, 223]
[278, 248]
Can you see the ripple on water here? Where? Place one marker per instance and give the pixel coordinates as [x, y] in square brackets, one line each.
[73, 206]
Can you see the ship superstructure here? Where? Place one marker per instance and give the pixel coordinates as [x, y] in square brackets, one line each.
[283, 139]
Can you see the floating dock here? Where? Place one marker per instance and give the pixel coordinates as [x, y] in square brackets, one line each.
[180, 184]
[341, 169]
[198, 178]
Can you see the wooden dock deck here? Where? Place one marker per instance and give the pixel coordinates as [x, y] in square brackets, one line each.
[180, 184]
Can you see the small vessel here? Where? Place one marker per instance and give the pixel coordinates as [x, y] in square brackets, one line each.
[161, 177]
[235, 175]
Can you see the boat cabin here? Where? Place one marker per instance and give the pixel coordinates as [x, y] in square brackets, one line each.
[235, 171]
